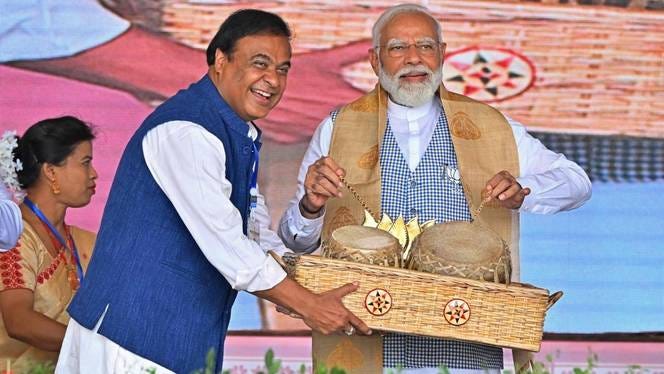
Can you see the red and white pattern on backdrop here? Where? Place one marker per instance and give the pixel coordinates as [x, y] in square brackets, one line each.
[488, 74]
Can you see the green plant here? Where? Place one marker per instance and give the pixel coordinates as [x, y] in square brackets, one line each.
[396, 370]
[272, 365]
[443, 370]
[210, 363]
[591, 363]
[322, 369]
[42, 368]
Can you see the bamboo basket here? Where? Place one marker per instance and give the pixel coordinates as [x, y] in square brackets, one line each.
[501, 315]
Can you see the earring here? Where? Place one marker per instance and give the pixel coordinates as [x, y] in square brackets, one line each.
[55, 187]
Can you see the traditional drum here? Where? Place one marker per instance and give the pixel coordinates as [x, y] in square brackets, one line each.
[462, 249]
[366, 245]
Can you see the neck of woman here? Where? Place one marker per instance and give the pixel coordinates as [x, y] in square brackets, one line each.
[47, 204]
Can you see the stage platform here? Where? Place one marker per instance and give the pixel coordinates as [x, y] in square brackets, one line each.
[244, 354]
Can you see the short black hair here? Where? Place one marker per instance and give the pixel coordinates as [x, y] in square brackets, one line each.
[245, 22]
[51, 140]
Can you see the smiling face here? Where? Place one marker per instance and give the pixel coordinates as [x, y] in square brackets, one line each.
[252, 78]
[76, 176]
[409, 59]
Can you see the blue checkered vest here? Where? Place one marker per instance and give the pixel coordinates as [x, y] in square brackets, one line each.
[431, 192]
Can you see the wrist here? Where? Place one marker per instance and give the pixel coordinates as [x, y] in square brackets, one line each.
[305, 305]
[309, 212]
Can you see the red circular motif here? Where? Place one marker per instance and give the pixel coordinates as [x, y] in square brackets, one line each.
[457, 312]
[378, 302]
[488, 74]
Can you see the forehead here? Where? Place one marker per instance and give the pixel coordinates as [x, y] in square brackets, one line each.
[274, 46]
[409, 25]
[82, 149]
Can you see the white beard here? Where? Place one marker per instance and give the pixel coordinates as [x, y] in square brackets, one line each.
[411, 94]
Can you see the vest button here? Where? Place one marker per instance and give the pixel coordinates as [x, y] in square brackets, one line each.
[246, 149]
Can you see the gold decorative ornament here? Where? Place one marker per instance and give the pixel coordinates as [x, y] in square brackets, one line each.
[404, 232]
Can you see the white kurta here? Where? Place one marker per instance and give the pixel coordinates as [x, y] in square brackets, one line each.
[556, 183]
[188, 164]
[11, 224]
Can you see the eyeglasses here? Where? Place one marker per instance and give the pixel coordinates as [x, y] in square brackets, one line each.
[399, 49]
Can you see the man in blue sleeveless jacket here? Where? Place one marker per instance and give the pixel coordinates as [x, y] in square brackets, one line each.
[185, 226]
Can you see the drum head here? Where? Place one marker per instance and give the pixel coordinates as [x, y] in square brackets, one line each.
[365, 245]
[462, 249]
[460, 242]
[364, 238]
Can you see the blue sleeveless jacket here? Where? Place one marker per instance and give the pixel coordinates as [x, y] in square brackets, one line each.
[167, 303]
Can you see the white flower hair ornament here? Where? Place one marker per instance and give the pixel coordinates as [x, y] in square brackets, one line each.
[10, 166]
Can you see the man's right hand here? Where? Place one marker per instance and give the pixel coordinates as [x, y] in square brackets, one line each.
[323, 180]
[328, 314]
[322, 312]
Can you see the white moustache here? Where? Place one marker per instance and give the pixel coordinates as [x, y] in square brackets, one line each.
[414, 70]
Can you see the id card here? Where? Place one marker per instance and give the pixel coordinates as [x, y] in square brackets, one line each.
[254, 230]
[253, 227]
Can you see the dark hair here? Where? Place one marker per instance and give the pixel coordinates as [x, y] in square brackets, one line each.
[51, 140]
[241, 23]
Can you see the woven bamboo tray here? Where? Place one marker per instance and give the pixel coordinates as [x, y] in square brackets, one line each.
[501, 315]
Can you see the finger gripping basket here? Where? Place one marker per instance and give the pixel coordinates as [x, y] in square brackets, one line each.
[406, 301]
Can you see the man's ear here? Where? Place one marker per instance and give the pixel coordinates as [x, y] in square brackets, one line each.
[220, 60]
[374, 59]
[443, 48]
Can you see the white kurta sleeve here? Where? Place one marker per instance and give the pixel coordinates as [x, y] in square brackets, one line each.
[269, 240]
[556, 183]
[299, 233]
[11, 224]
[188, 164]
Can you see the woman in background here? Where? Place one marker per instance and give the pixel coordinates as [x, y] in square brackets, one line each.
[39, 276]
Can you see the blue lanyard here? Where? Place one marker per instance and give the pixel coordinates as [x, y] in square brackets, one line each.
[42, 217]
[253, 190]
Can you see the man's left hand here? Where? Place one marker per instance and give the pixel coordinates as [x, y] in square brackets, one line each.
[505, 188]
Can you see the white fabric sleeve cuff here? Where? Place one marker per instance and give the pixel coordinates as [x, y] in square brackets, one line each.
[268, 276]
[303, 226]
[299, 233]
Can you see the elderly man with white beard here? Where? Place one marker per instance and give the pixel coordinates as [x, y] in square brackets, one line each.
[413, 149]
